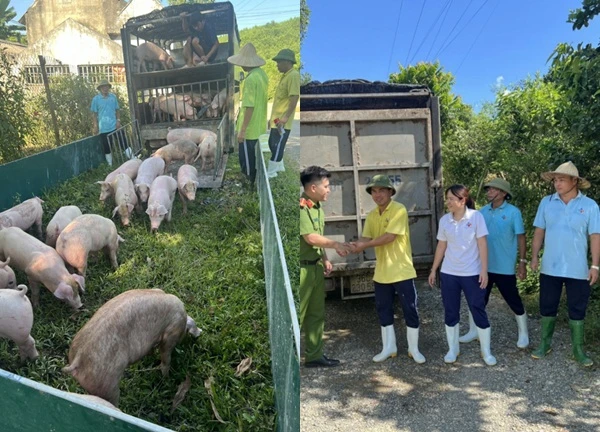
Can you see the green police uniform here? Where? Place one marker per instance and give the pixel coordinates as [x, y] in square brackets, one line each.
[312, 279]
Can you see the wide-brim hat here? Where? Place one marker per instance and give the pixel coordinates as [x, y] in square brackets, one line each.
[286, 54]
[103, 83]
[247, 57]
[568, 169]
[501, 184]
[380, 180]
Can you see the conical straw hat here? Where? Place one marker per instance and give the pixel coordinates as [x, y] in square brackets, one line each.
[247, 57]
[569, 169]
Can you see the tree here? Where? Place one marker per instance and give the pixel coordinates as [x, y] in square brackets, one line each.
[582, 17]
[7, 14]
[304, 19]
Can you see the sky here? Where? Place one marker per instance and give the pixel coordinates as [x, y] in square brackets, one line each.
[495, 43]
[249, 13]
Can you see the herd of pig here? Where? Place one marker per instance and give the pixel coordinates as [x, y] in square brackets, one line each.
[129, 325]
[181, 106]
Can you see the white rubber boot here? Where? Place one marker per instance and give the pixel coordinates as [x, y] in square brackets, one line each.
[389, 344]
[471, 335]
[412, 336]
[272, 169]
[279, 167]
[108, 157]
[484, 343]
[523, 341]
[128, 153]
[453, 345]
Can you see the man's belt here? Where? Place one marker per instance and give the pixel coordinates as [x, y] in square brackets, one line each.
[309, 262]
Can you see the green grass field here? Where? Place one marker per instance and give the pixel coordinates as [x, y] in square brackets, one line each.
[211, 259]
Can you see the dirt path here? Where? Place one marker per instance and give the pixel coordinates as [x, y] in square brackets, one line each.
[519, 394]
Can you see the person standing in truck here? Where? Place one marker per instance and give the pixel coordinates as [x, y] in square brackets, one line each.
[252, 120]
[284, 108]
[386, 230]
[314, 264]
[202, 43]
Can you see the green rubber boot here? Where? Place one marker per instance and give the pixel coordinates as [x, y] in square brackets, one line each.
[577, 341]
[547, 332]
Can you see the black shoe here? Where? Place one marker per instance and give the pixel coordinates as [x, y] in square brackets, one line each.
[322, 362]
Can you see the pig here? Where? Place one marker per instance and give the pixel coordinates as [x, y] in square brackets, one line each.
[207, 150]
[130, 168]
[123, 331]
[24, 216]
[42, 265]
[149, 170]
[125, 198]
[160, 202]
[59, 221]
[149, 52]
[181, 149]
[16, 320]
[218, 104]
[7, 275]
[187, 182]
[88, 233]
[178, 106]
[193, 134]
[94, 399]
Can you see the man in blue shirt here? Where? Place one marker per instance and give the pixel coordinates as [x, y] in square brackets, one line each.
[505, 226]
[105, 108]
[563, 223]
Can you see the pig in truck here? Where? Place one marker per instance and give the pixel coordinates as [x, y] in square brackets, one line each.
[184, 97]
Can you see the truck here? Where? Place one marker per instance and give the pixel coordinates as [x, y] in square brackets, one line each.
[153, 90]
[357, 129]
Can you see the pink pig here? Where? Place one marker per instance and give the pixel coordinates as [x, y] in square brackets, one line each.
[218, 103]
[120, 333]
[125, 198]
[191, 134]
[176, 105]
[130, 168]
[42, 265]
[150, 52]
[24, 216]
[207, 150]
[160, 203]
[149, 170]
[16, 320]
[181, 149]
[59, 221]
[187, 182]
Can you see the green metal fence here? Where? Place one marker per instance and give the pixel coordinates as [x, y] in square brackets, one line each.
[284, 331]
[30, 176]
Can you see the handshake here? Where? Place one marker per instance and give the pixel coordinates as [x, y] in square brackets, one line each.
[344, 249]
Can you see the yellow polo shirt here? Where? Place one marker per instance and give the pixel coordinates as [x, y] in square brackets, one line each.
[394, 260]
[288, 86]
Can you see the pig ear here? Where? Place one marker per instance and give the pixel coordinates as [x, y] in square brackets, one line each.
[64, 292]
[4, 264]
[115, 211]
[162, 210]
[80, 281]
[130, 207]
[197, 183]
[149, 209]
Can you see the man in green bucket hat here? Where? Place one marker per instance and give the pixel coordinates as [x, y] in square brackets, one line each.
[386, 230]
[284, 107]
[506, 234]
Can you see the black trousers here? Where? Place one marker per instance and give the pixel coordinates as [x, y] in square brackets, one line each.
[578, 295]
[247, 154]
[507, 285]
[277, 143]
[120, 137]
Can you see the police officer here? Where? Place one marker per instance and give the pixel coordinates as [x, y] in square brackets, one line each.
[314, 265]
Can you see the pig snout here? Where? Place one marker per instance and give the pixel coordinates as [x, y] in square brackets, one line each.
[191, 327]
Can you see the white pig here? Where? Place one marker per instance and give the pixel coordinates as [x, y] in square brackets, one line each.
[207, 150]
[149, 52]
[181, 149]
[130, 168]
[218, 103]
[192, 134]
[59, 221]
[125, 198]
[149, 170]
[160, 202]
[88, 233]
[16, 320]
[7, 275]
[187, 182]
[24, 216]
[120, 333]
[42, 265]
[176, 105]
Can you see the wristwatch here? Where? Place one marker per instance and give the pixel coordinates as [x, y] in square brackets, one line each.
[523, 260]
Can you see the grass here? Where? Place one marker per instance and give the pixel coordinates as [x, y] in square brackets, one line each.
[211, 259]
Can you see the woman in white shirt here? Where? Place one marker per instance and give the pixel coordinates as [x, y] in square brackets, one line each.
[462, 246]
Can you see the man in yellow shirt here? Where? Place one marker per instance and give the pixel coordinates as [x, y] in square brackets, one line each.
[284, 108]
[386, 229]
[252, 120]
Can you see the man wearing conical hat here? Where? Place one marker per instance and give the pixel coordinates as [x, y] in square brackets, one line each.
[252, 120]
[284, 108]
[506, 234]
[564, 222]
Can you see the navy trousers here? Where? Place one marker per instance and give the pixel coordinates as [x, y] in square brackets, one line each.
[507, 285]
[451, 288]
[578, 295]
[247, 154]
[277, 143]
[384, 302]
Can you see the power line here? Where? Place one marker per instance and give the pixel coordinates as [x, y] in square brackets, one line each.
[438, 32]
[455, 25]
[415, 32]
[477, 37]
[428, 32]
[395, 34]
